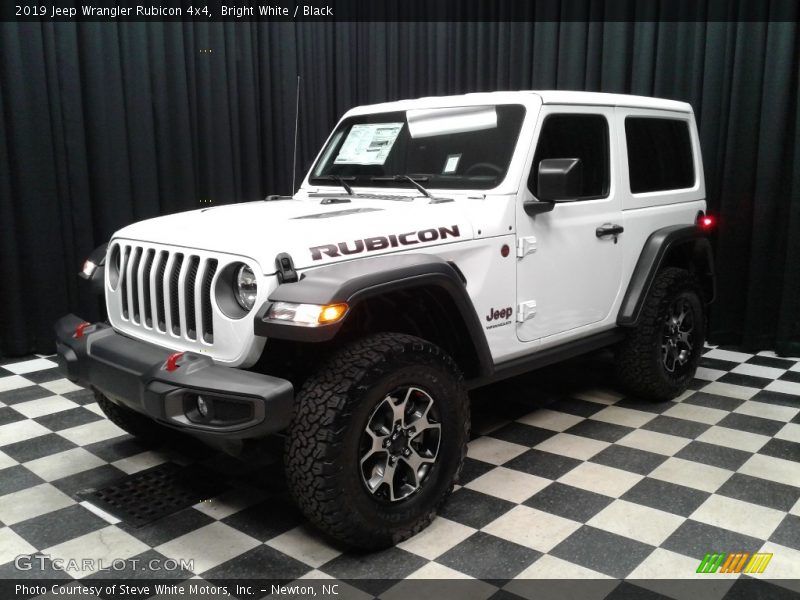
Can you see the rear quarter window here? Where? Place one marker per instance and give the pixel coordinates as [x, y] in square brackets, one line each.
[659, 154]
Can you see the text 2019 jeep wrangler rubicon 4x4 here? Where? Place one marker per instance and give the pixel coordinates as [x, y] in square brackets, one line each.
[436, 245]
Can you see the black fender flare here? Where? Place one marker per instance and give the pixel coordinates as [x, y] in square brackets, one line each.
[689, 239]
[352, 282]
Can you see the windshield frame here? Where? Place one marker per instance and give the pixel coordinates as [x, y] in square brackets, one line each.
[356, 116]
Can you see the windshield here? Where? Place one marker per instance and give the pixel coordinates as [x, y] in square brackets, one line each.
[466, 147]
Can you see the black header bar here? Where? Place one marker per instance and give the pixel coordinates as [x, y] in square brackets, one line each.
[209, 11]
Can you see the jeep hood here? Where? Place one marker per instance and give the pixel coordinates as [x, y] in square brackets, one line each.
[312, 232]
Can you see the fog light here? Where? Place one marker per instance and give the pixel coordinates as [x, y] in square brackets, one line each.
[202, 407]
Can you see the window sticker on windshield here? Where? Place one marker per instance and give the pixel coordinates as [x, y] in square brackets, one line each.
[368, 144]
[451, 164]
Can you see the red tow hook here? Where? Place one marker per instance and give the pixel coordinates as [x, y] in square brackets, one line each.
[172, 361]
[80, 329]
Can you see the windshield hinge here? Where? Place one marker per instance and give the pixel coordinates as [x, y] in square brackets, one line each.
[286, 270]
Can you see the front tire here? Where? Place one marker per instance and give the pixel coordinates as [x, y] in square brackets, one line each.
[378, 440]
[659, 358]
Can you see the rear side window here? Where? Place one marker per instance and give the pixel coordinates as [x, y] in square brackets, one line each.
[576, 136]
[659, 154]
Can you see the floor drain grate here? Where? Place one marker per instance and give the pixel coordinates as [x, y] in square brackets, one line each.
[154, 493]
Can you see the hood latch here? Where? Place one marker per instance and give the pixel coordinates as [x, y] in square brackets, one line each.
[286, 270]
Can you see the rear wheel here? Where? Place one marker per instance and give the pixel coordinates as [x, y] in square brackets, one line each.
[659, 358]
[378, 439]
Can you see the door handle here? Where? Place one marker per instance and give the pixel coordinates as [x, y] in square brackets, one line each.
[609, 229]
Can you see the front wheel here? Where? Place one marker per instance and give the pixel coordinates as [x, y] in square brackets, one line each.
[378, 439]
[659, 358]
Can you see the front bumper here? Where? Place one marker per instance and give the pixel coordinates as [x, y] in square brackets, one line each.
[132, 373]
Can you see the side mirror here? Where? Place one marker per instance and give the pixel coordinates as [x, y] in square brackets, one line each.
[560, 179]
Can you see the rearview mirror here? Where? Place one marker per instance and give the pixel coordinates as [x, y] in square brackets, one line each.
[560, 179]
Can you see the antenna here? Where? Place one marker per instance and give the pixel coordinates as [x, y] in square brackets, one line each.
[296, 128]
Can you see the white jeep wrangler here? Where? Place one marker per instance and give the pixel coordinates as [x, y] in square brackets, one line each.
[436, 245]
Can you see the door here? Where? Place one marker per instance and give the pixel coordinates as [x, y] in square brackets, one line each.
[569, 263]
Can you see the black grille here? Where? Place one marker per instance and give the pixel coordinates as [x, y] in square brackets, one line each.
[123, 286]
[163, 290]
[208, 317]
[174, 305]
[188, 290]
[148, 265]
[160, 315]
[137, 255]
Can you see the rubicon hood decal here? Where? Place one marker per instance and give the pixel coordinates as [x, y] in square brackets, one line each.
[380, 242]
[262, 230]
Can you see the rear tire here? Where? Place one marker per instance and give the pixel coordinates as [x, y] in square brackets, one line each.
[659, 358]
[378, 440]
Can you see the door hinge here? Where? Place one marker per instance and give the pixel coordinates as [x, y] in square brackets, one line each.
[526, 310]
[525, 246]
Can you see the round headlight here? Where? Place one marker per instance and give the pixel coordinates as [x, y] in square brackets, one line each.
[246, 287]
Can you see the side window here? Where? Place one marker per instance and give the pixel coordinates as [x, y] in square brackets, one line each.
[576, 136]
[659, 154]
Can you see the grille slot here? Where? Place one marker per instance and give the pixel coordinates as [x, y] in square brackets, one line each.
[208, 318]
[174, 301]
[147, 305]
[134, 287]
[167, 292]
[159, 287]
[123, 286]
[188, 293]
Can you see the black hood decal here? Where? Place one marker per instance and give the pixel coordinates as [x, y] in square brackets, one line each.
[338, 213]
[381, 242]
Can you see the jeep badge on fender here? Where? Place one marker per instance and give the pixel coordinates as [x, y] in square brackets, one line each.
[435, 245]
[499, 315]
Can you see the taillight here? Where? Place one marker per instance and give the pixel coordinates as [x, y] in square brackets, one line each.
[706, 222]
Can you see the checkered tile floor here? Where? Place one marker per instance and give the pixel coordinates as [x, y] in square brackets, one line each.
[565, 478]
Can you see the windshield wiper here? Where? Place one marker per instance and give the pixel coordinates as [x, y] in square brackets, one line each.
[342, 181]
[411, 179]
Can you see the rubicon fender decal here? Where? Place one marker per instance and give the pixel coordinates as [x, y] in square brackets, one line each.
[381, 242]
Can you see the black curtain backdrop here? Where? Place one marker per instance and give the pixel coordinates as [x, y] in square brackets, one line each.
[105, 124]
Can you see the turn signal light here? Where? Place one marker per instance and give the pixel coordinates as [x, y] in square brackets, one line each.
[332, 313]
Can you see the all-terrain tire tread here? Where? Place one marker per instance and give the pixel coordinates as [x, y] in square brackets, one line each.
[636, 370]
[323, 408]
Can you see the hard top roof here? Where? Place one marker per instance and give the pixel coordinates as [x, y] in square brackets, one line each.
[524, 96]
